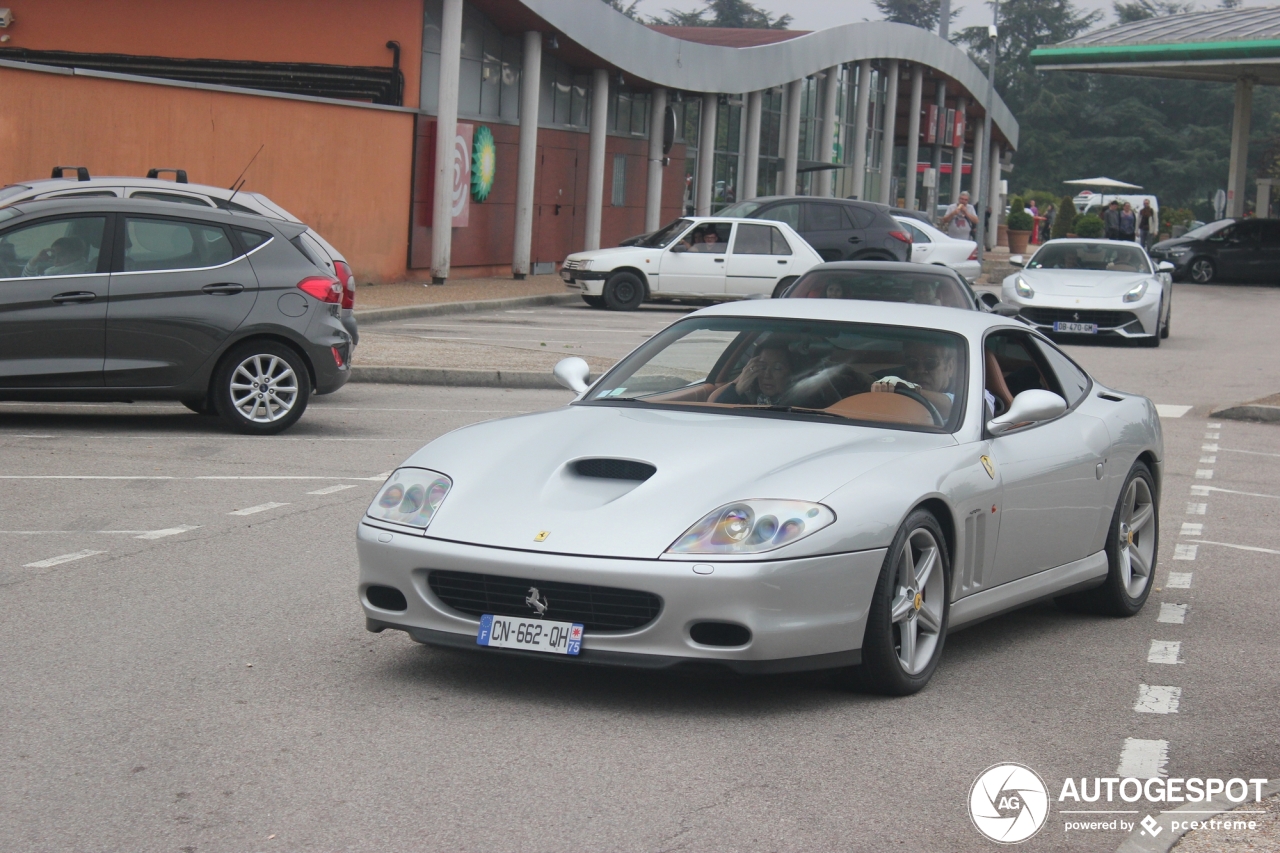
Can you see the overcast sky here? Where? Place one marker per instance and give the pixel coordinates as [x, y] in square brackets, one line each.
[820, 14]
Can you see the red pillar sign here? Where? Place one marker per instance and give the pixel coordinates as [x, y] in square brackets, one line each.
[931, 125]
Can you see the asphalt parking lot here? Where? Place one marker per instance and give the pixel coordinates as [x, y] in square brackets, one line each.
[187, 669]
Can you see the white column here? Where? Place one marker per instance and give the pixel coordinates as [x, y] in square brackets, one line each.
[860, 129]
[527, 161]
[1239, 147]
[997, 203]
[1262, 206]
[595, 157]
[827, 129]
[957, 155]
[890, 131]
[706, 154]
[446, 130]
[791, 137]
[657, 126]
[913, 134]
[751, 158]
[979, 166]
[742, 149]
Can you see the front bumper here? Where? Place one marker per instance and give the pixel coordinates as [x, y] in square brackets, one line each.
[803, 614]
[586, 282]
[1113, 318]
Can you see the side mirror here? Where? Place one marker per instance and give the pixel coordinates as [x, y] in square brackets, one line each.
[1004, 309]
[1016, 260]
[572, 373]
[1165, 266]
[988, 300]
[1027, 408]
[680, 247]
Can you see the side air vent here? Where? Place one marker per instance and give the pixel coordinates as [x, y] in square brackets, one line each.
[614, 469]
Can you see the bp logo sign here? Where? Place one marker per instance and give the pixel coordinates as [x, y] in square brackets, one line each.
[1008, 803]
[484, 163]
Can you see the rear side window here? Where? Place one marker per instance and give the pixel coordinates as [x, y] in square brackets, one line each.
[788, 213]
[860, 217]
[170, 244]
[174, 198]
[252, 239]
[760, 240]
[917, 236]
[1073, 381]
[305, 250]
[825, 217]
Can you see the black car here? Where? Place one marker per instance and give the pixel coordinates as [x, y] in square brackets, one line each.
[1232, 249]
[121, 300]
[838, 229]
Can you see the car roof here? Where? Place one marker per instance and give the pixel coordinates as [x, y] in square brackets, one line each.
[743, 219]
[885, 266]
[971, 324]
[158, 208]
[854, 202]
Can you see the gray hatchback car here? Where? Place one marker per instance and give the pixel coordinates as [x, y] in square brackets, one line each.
[108, 300]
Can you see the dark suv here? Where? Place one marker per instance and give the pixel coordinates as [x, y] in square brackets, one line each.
[105, 299]
[838, 229]
[1231, 249]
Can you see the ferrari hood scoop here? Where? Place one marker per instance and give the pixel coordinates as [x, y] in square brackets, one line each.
[614, 469]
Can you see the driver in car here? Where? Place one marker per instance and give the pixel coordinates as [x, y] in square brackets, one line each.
[930, 371]
[66, 256]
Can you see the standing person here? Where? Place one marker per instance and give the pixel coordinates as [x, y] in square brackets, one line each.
[1050, 214]
[1111, 221]
[1146, 223]
[1128, 223]
[960, 218]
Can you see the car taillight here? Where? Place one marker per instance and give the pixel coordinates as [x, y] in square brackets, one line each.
[348, 280]
[901, 235]
[323, 288]
[973, 256]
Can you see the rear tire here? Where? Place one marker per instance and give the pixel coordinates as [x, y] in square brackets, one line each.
[907, 620]
[782, 286]
[1202, 270]
[593, 301]
[261, 387]
[1168, 320]
[624, 291]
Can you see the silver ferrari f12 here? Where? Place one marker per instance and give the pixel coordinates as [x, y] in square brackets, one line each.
[776, 486]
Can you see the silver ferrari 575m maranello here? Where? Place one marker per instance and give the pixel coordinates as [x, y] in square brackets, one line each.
[777, 485]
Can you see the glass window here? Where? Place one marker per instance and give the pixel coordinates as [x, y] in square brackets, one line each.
[170, 244]
[252, 239]
[52, 247]
[1270, 230]
[921, 288]
[619, 197]
[894, 376]
[709, 237]
[917, 236]
[788, 213]
[664, 236]
[1111, 256]
[825, 217]
[1072, 381]
[859, 217]
[1019, 370]
[175, 198]
[742, 209]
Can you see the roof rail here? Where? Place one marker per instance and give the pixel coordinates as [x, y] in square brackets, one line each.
[180, 175]
[82, 172]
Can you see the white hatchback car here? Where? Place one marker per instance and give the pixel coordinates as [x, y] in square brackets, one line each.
[716, 258]
[179, 191]
[931, 246]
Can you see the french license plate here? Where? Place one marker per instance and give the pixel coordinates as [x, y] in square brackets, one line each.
[1083, 328]
[535, 635]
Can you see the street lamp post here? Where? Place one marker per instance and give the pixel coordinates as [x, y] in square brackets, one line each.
[984, 192]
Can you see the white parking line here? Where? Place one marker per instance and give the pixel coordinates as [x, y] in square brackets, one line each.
[1196, 509]
[62, 558]
[1164, 651]
[1143, 759]
[1179, 580]
[1172, 614]
[1241, 547]
[1201, 491]
[1209, 448]
[1250, 452]
[1213, 426]
[1204, 474]
[1205, 490]
[1166, 410]
[168, 531]
[259, 508]
[328, 490]
[1208, 460]
[1184, 552]
[1157, 699]
[1191, 528]
[1213, 435]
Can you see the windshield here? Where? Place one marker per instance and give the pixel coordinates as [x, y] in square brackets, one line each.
[11, 191]
[1209, 229]
[922, 288]
[663, 237]
[742, 209]
[1111, 257]
[902, 377]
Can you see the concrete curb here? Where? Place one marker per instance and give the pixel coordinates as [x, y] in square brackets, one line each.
[382, 315]
[455, 377]
[1141, 842]
[1249, 412]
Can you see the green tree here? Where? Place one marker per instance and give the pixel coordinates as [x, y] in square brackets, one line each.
[737, 14]
[628, 9]
[1065, 219]
[924, 14]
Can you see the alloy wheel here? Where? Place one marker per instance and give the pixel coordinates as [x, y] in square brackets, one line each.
[1137, 537]
[1202, 271]
[919, 597]
[264, 388]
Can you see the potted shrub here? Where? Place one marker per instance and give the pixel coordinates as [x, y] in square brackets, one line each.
[1020, 224]
[1065, 220]
[1089, 225]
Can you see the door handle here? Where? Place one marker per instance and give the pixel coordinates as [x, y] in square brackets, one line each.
[719, 260]
[782, 262]
[855, 239]
[225, 289]
[78, 296]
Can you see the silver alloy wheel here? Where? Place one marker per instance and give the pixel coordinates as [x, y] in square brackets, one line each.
[919, 596]
[1202, 270]
[264, 388]
[1137, 537]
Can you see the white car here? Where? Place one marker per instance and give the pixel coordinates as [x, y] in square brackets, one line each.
[711, 257]
[1093, 287]
[179, 191]
[931, 246]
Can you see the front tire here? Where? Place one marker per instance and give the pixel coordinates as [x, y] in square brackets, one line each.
[624, 291]
[593, 301]
[1202, 270]
[261, 387]
[907, 621]
[1168, 320]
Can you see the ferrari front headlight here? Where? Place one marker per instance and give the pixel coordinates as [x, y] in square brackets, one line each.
[1138, 291]
[752, 527]
[411, 496]
[1023, 289]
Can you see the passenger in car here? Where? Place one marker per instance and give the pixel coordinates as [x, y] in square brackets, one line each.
[930, 370]
[708, 241]
[763, 380]
[66, 256]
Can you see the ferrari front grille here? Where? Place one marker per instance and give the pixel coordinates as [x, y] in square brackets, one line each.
[597, 608]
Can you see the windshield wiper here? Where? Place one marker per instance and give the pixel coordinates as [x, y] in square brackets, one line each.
[802, 410]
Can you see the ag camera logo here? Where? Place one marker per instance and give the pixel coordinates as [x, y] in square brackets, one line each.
[1008, 803]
